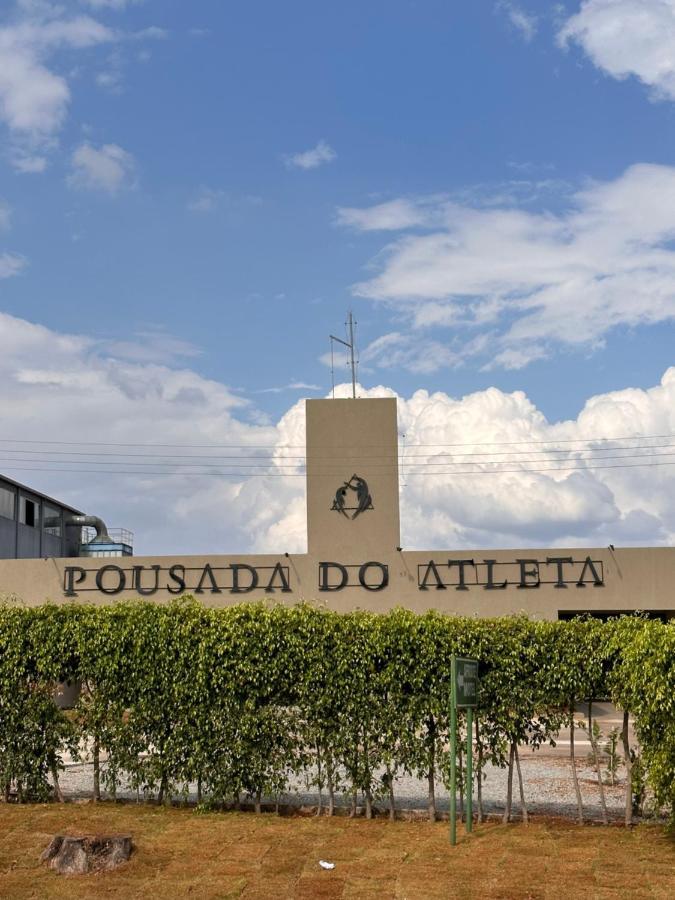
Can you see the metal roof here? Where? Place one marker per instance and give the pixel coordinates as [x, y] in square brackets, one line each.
[36, 493]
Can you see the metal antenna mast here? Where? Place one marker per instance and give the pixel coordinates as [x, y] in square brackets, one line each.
[350, 344]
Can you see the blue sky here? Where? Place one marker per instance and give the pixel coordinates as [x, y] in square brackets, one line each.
[210, 186]
[415, 99]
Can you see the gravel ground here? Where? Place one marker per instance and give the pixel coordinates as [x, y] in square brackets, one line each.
[548, 788]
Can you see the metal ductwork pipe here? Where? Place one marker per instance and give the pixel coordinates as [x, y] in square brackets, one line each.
[102, 536]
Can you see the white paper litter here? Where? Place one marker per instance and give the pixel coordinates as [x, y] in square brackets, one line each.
[326, 865]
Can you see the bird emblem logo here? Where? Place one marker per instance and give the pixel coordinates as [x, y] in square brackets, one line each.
[362, 497]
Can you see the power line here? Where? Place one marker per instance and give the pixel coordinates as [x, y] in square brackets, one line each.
[332, 475]
[379, 468]
[212, 446]
[402, 457]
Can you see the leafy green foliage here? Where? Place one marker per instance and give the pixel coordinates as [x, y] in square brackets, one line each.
[241, 699]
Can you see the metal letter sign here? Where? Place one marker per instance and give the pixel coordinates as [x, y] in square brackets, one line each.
[464, 695]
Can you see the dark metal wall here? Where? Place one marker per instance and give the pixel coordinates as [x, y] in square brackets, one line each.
[29, 541]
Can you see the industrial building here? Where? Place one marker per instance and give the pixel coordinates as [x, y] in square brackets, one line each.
[34, 525]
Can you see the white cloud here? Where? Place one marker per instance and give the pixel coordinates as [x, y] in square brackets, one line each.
[515, 285]
[108, 168]
[5, 215]
[69, 388]
[206, 200]
[292, 386]
[393, 215]
[29, 165]
[628, 37]
[524, 22]
[518, 508]
[152, 32]
[34, 99]
[11, 264]
[110, 4]
[311, 159]
[34, 90]
[152, 346]
[110, 80]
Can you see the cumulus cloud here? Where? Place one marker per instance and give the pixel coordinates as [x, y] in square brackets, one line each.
[628, 37]
[74, 388]
[511, 284]
[33, 98]
[485, 470]
[108, 168]
[488, 470]
[311, 159]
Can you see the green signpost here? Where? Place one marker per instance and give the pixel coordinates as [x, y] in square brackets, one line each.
[464, 695]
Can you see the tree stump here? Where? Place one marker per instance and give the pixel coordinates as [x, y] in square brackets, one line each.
[89, 853]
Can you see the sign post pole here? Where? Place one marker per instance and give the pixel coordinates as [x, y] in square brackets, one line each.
[453, 752]
[469, 770]
[463, 695]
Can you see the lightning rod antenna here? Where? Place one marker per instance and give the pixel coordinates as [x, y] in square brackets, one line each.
[332, 370]
[350, 345]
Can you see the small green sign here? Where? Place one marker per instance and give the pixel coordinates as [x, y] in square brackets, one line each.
[466, 682]
[464, 693]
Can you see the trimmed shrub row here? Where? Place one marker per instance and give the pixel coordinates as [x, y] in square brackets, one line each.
[240, 700]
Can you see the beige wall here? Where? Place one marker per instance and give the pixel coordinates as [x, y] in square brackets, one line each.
[347, 437]
[635, 578]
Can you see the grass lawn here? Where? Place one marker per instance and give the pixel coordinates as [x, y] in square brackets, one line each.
[180, 853]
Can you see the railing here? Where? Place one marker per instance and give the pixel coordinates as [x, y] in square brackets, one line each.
[117, 535]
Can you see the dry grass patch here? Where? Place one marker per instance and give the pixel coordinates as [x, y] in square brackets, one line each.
[231, 855]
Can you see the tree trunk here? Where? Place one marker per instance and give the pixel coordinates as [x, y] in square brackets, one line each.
[509, 789]
[352, 811]
[369, 802]
[431, 770]
[257, 802]
[7, 790]
[596, 760]
[199, 790]
[629, 764]
[577, 790]
[331, 793]
[460, 778]
[479, 781]
[319, 780]
[392, 803]
[97, 770]
[367, 791]
[523, 805]
[58, 793]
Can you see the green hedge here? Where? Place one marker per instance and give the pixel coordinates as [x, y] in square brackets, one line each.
[241, 699]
